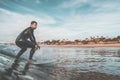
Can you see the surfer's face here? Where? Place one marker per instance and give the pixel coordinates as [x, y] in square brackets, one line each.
[34, 25]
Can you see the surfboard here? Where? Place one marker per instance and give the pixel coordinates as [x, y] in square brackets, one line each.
[37, 63]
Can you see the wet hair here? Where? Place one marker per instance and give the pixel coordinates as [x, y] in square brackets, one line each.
[32, 22]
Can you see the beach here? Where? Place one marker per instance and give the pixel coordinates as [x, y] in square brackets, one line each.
[87, 45]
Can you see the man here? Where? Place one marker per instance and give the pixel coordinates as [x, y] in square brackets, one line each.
[25, 39]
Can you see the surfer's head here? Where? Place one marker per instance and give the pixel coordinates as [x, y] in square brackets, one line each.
[33, 24]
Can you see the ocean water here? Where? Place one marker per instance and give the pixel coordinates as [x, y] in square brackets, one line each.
[95, 59]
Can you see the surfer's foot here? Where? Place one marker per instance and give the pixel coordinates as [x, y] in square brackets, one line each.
[31, 61]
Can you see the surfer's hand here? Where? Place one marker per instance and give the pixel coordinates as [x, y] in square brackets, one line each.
[37, 47]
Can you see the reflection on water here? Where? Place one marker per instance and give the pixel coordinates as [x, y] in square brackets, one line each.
[100, 59]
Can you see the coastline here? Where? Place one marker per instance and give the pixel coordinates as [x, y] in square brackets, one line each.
[86, 45]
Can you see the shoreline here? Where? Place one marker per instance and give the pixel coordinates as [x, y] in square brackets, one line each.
[86, 45]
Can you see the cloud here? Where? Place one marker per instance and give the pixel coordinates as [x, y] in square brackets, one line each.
[90, 5]
[47, 33]
[106, 24]
[72, 3]
[12, 23]
[101, 19]
[38, 1]
[79, 27]
[71, 19]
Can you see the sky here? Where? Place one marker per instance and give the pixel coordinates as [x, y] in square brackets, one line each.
[60, 19]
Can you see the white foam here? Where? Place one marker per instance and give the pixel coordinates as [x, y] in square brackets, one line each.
[3, 58]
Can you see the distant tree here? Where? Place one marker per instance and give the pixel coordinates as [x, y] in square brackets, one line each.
[54, 41]
[102, 38]
[86, 39]
[114, 39]
[84, 42]
[58, 41]
[47, 42]
[68, 42]
[118, 37]
[107, 40]
[76, 41]
[94, 40]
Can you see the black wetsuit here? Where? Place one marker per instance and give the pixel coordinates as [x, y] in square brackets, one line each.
[26, 40]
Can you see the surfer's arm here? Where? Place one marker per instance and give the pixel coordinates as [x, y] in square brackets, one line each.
[32, 37]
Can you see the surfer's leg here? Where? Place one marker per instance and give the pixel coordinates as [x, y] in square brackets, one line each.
[32, 53]
[31, 45]
[23, 47]
[26, 68]
[16, 61]
[15, 64]
[20, 52]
